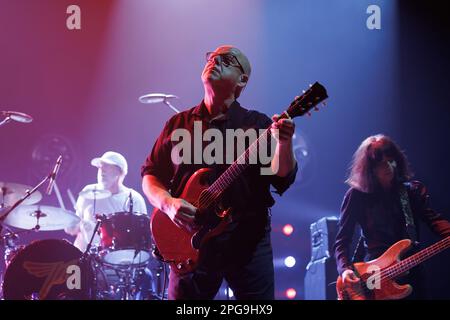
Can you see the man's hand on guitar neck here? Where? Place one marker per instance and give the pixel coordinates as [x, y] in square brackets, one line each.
[286, 129]
[283, 161]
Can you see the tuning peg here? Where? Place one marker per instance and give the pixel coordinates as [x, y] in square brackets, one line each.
[316, 109]
[309, 114]
[310, 85]
[303, 91]
[324, 104]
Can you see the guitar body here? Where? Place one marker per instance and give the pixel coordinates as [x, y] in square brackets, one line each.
[179, 247]
[388, 288]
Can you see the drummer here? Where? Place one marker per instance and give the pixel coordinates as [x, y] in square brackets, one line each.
[110, 196]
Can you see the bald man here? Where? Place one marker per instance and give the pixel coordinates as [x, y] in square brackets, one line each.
[242, 254]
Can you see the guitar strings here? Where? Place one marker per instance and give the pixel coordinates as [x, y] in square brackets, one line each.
[236, 168]
[216, 189]
[417, 258]
[404, 265]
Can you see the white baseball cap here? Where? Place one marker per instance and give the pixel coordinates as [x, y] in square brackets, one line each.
[114, 158]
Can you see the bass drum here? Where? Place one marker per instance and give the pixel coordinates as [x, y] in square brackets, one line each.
[48, 270]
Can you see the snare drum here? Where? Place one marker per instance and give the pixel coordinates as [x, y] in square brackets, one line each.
[125, 239]
[47, 270]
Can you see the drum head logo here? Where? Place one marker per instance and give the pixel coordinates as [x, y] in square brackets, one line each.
[56, 273]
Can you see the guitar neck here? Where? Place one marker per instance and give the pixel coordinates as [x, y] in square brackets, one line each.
[235, 169]
[300, 106]
[417, 258]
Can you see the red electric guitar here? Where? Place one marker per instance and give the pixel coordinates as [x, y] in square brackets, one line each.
[181, 248]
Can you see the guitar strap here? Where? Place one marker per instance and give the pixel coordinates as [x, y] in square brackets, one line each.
[406, 209]
[357, 255]
[359, 250]
[409, 223]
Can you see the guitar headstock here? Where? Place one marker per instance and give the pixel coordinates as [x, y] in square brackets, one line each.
[307, 101]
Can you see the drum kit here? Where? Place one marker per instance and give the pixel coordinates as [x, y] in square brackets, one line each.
[121, 267]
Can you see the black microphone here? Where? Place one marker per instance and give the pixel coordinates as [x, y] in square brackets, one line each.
[130, 202]
[53, 175]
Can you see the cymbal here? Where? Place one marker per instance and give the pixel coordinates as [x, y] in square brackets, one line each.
[45, 218]
[97, 194]
[11, 192]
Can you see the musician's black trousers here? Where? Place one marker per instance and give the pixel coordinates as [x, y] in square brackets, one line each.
[242, 257]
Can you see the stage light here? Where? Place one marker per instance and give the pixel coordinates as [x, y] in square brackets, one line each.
[289, 262]
[228, 292]
[288, 229]
[291, 293]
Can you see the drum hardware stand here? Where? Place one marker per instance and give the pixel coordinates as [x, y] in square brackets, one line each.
[2, 204]
[163, 293]
[21, 200]
[128, 287]
[88, 259]
[58, 196]
[5, 121]
[10, 237]
[99, 218]
[38, 214]
[88, 247]
[8, 241]
[130, 211]
[157, 255]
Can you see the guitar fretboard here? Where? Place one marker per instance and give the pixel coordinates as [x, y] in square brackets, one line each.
[300, 106]
[216, 189]
[416, 259]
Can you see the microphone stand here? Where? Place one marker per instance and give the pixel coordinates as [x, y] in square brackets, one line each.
[97, 225]
[86, 264]
[21, 200]
[5, 121]
[130, 211]
[89, 275]
[171, 106]
[88, 247]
